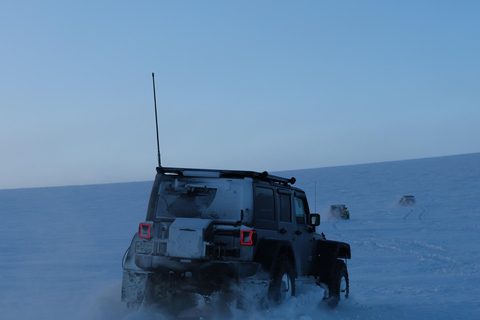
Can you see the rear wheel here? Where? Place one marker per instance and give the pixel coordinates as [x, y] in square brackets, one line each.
[339, 285]
[282, 285]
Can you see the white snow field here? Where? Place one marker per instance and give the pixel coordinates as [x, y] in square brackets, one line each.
[61, 248]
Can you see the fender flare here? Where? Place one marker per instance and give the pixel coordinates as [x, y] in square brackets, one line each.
[327, 253]
[268, 250]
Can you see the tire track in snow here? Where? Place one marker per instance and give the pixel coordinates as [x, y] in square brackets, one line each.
[420, 216]
[406, 216]
[430, 257]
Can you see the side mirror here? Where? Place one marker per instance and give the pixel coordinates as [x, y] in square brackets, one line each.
[314, 219]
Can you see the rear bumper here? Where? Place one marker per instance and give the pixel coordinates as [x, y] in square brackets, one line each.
[199, 268]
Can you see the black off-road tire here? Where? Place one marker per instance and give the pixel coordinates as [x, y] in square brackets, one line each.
[339, 285]
[282, 285]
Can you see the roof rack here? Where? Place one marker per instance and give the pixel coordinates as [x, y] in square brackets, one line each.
[264, 176]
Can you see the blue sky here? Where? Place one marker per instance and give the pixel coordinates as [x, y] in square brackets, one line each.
[254, 85]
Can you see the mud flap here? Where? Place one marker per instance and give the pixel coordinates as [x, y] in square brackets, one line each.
[133, 286]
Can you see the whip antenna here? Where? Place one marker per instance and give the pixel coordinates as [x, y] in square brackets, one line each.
[156, 119]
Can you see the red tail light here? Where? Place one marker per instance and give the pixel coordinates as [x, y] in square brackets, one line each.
[248, 237]
[144, 230]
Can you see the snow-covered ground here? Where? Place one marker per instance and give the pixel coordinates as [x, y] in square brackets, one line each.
[61, 248]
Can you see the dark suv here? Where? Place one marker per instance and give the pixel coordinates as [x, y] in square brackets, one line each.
[207, 230]
[407, 201]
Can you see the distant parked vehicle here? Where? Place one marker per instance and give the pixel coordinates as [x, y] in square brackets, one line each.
[407, 201]
[339, 211]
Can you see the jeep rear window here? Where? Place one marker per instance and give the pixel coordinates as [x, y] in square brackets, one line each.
[198, 197]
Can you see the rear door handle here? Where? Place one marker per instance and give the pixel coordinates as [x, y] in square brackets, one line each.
[298, 232]
[282, 231]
